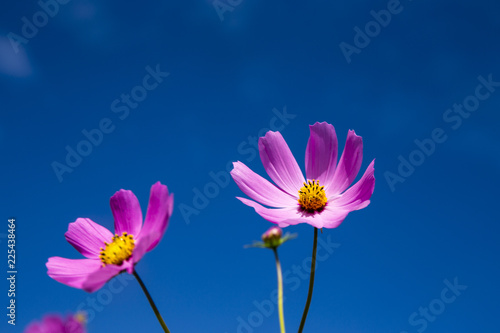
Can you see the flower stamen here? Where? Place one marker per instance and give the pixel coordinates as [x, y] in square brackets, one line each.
[119, 250]
[312, 197]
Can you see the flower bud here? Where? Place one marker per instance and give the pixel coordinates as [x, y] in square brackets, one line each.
[272, 237]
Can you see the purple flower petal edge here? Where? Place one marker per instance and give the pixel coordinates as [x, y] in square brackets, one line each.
[321, 153]
[127, 212]
[279, 163]
[160, 209]
[259, 188]
[87, 237]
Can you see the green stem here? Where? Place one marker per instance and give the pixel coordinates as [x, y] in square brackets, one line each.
[153, 306]
[311, 281]
[280, 291]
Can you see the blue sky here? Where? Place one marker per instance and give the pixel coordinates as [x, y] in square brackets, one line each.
[179, 90]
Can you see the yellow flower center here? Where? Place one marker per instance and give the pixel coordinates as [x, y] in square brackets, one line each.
[118, 250]
[312, 197]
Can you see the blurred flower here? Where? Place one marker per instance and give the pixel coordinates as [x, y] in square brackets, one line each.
[273, 238]
[108, 254]
[322, 201]
[272, 235]
[57, 324]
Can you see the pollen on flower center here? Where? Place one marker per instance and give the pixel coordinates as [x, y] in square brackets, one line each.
[312, 197]
[118, 250]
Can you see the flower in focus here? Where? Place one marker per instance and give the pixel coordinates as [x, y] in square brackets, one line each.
[324, 199]
[57, 324]
[108, 254]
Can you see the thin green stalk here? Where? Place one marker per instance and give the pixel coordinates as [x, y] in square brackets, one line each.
[153, 306]
[311, 281]
[280, 291]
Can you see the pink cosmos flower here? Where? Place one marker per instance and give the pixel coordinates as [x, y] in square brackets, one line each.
[57, 324]
[324, 200]
[108, 254]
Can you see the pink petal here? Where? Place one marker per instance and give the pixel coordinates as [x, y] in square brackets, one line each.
[333, 216]
[358, 196]
[33, 328]
[72, 325]
[127, 212]
[159, 211]
[87, 237]
[348, 166]
[260, 189]
[98, 278]
[141, 247]
[321, 153]
[330, 217]
[49, 324]
[279, 163]
[72, 272]
[285, 216]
